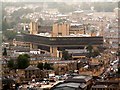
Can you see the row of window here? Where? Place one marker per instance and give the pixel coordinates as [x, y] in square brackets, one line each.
[104, 89]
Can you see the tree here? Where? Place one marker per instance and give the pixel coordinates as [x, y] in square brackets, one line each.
[22, 61]
[89, 48]
[66, 55]
[11, 64]
[47, 66]
[95, 53]
[40, 66]
[92, 52]
[5, 52]
[26, 55]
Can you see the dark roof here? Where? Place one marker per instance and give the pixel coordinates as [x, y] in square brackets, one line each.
[68, 85]
[60, 41]
[32, 68]
[75, 82]
[79, 54]
[107, 82]
[7, 81]
[79, 78]
[74, 85]
[105, 86]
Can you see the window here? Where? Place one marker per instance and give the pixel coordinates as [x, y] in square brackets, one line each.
[60, 34]
[65, 88]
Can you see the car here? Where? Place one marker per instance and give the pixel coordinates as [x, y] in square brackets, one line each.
[111, 64]
[45, 82]
[52, 79]
[116, 61]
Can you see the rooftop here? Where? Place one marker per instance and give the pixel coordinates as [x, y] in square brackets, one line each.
[31, 68]
[73, 85]
[79, 79]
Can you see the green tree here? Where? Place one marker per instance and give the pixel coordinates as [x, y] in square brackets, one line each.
[66, 55]
[5, 52]
[26, 55]
[22, 61]
[47, 66]
[40, 66]
[11, 64]
[95, 53]
[89, 48]
[92, 52]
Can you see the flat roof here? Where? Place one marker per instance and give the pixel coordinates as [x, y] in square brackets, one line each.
[71, 35]
[79, 79]
[71, 84]
[65, 61]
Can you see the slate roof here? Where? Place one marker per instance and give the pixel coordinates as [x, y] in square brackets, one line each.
[80, 79]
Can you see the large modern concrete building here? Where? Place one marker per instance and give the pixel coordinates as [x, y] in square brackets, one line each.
[56, 44]
[64, 36]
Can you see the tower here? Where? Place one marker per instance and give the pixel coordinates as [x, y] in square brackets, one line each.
[61, 28]
[33, 28]
[33, 31]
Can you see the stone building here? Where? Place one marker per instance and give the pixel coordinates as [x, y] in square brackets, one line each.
[32, 72]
